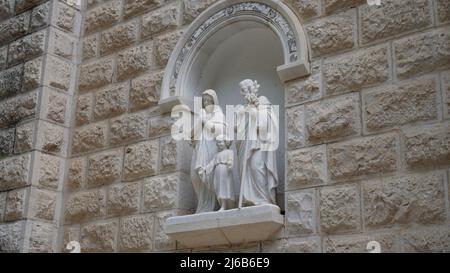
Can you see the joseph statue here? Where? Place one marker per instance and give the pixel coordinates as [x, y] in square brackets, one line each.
[257, 165]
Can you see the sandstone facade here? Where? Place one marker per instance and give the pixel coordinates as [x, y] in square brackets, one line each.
[86, 155]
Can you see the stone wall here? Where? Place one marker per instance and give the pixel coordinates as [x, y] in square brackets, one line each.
[126, 172]
[368, 131]
[38, 57]
[84, 150]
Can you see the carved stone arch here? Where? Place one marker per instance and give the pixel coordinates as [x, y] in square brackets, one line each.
[271, 13]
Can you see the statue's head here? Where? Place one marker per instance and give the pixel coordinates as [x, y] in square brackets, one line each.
[249, 90]
[209, 98]
[222, 142]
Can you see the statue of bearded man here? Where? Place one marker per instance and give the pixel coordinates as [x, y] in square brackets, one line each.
[257, 163]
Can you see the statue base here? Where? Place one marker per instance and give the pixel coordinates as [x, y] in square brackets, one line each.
[235, 226]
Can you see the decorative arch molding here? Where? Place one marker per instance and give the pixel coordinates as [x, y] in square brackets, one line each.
[270, 13]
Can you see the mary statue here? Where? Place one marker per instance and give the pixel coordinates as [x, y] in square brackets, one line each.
[257, 164]
[209, 124]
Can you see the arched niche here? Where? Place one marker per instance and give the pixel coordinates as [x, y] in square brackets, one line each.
[242, 50]
[218, 24]
[231, 41]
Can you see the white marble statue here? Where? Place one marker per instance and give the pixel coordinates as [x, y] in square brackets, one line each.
[220, 172]
[257, 166]
[209, 124]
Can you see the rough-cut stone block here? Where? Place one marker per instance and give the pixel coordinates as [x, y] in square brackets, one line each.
[12, 237]
[15, 172]
[118, 37]
[26, 48]
[123, 199]
[42, 238]
[84, 109]
[32, 74]
[160, 126]
[305, 8]
[145, 91]
[42, 205]
[104, 168]
[173, 155]
[56, 107]
[393, 17]
[400, 104]
[422, 53]
[292, 245]
[51, 138]
[99, 237]
[352, 72]
[339, 209]
[6, 142]
[96, 74]
[193, 8]
[427, 146]
[24, 138]
[102, 16]
[58, 73]
[443, 10]
[333, 118]
[141, 159]
[132, 7]
[358, 243]
[306, 167]
[17, 109]
[161, 240]
[90, 47]
[160, 192]
[332, 34]
[84, 205]
[111, 102]
[136, 233]
[127, 128]
[16, 203]
[14, 27]
[40, 16]
[47, 171]
[365, 156]
[159, 21]
[295, 127]
[414, 198]
[301, 213]
[89, 138]
[134, 61]
[76, 173]
[61, 44]
[164, 46]
[303, 90]
[426, 240]
[333, 5]
[11, 82]
[66, 18]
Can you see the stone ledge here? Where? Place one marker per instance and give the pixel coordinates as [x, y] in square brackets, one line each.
[228, 227]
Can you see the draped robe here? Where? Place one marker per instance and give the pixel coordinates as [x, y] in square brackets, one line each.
[204, 152]
[257, 167]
